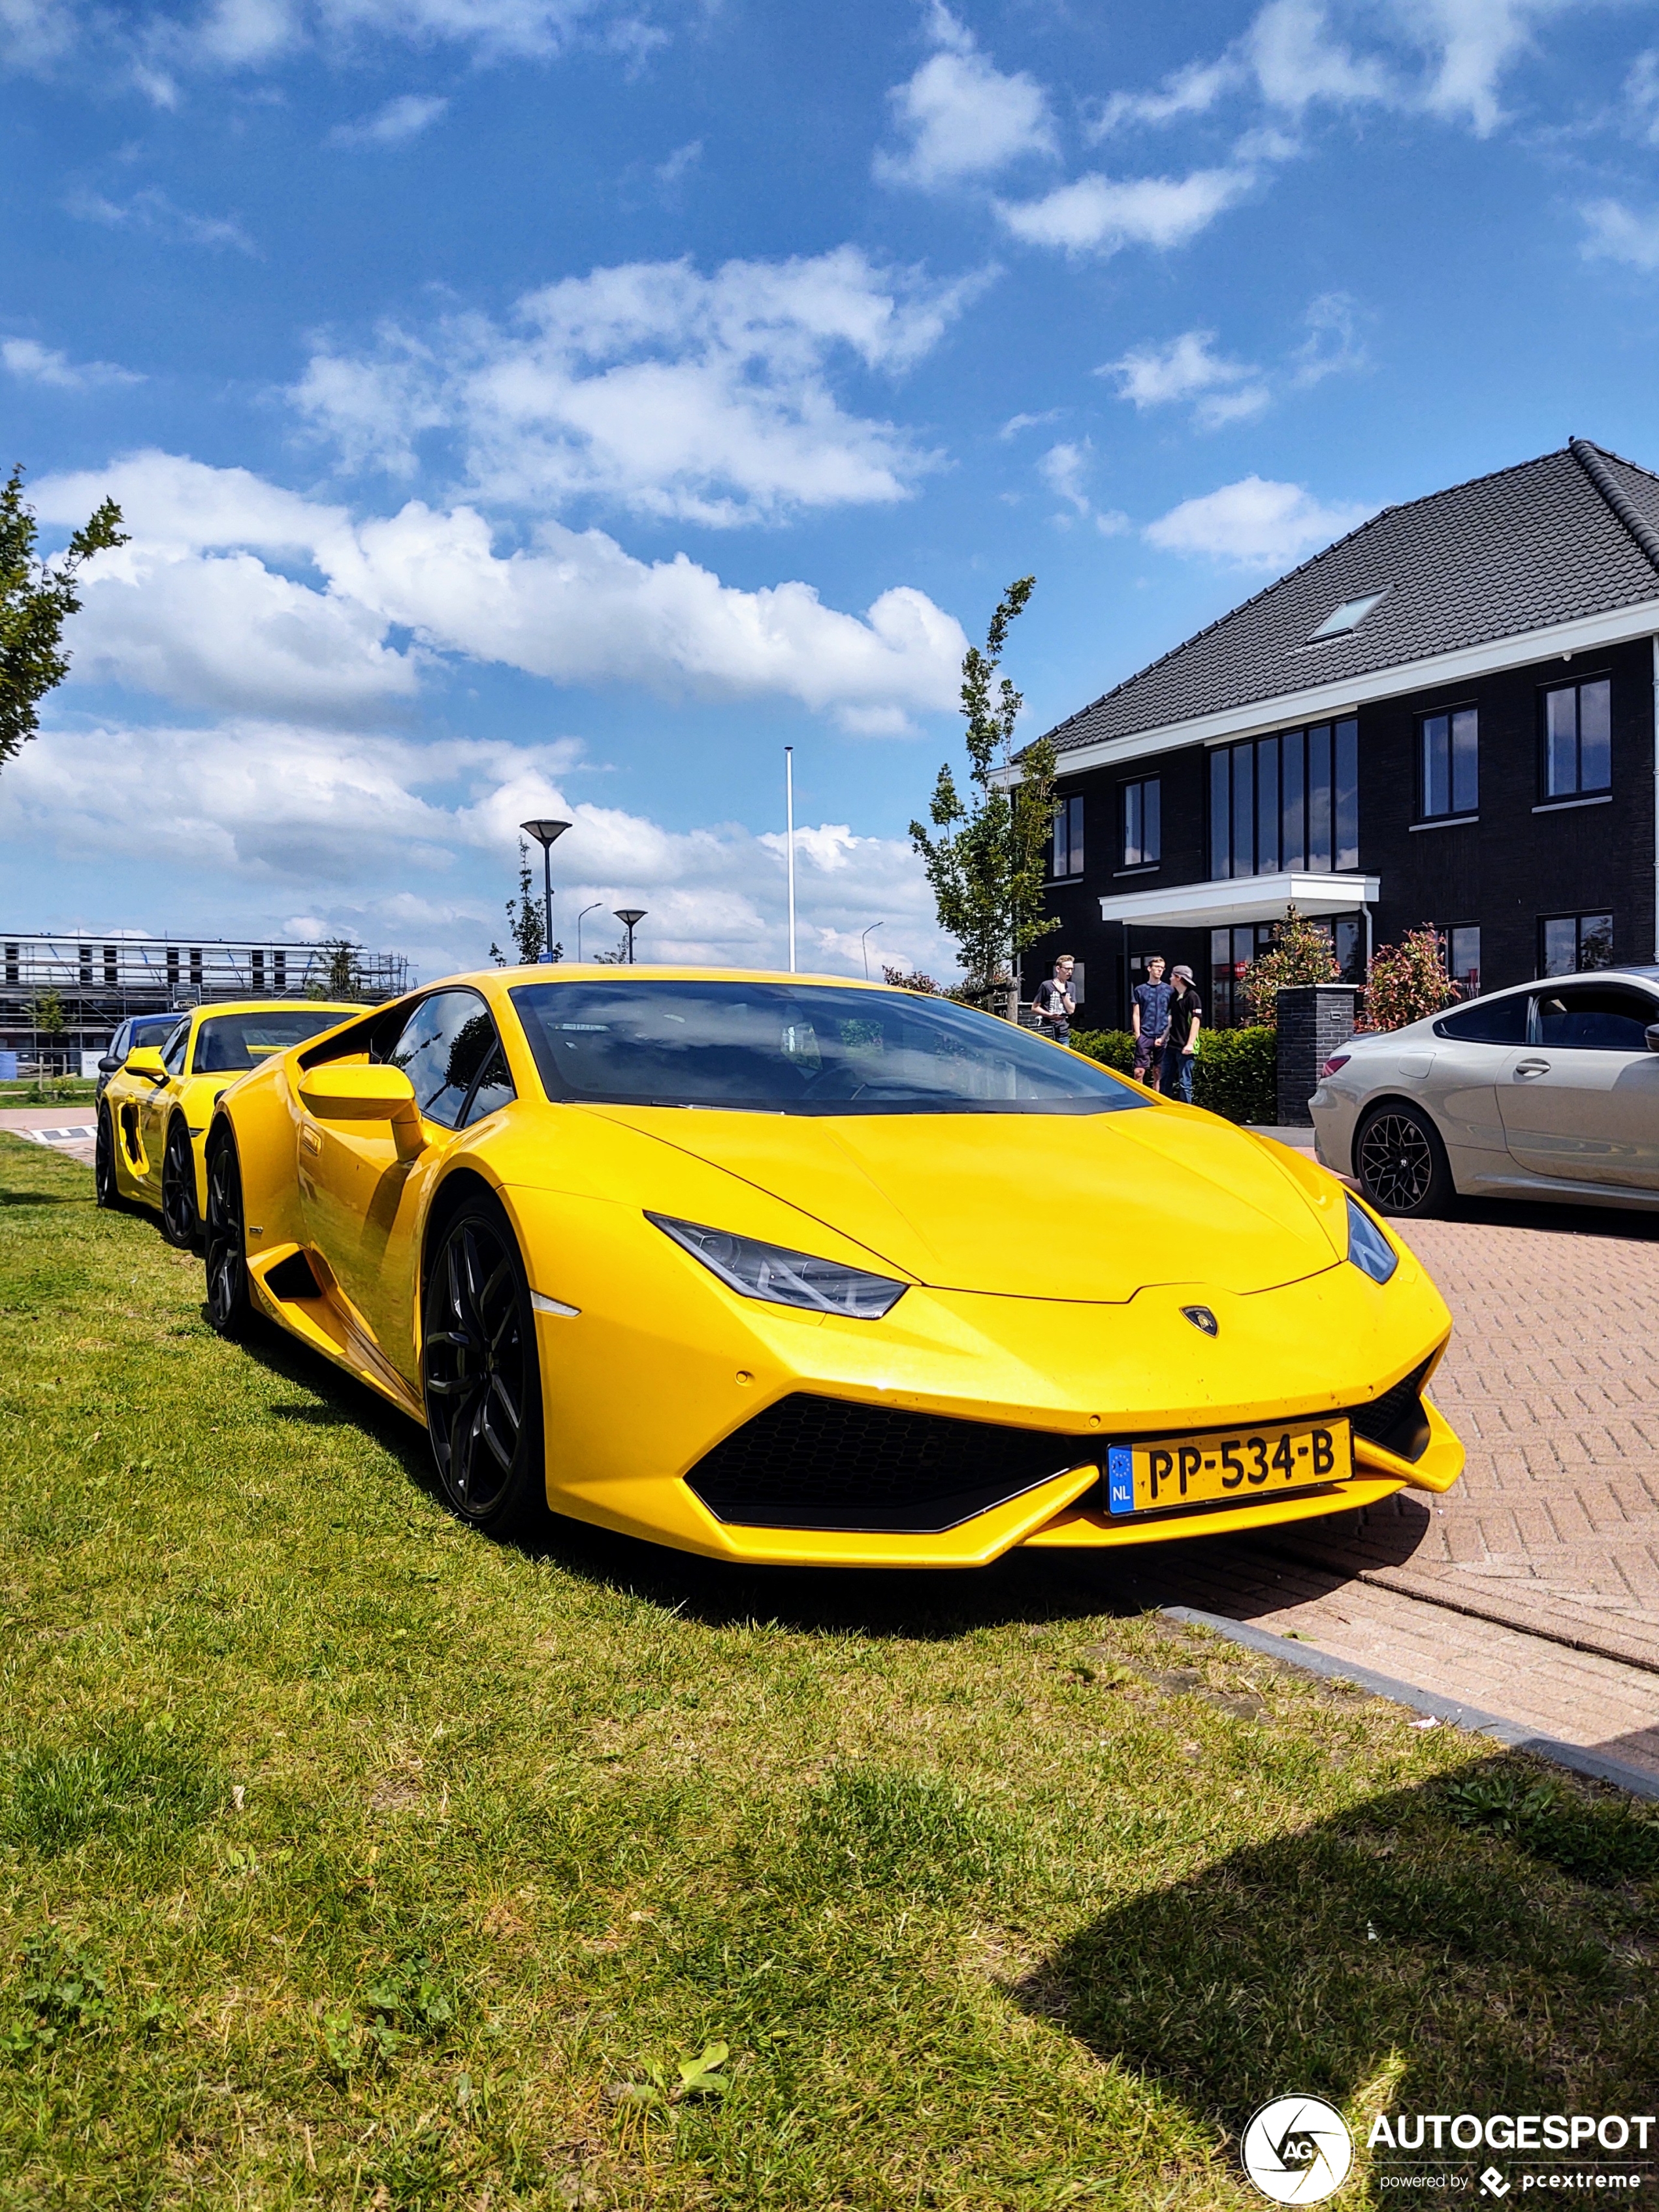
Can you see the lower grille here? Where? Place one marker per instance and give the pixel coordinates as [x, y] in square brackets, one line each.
[1396, 1419]
[812, 1462]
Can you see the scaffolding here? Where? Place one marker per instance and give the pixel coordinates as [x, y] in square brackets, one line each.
[99, 980]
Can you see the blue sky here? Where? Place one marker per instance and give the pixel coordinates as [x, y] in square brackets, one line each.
[559, 405]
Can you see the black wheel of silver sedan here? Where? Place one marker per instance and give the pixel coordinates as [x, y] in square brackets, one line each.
[229, 1306]
[1402, 1163]
[480, 1376]
[181, 1224]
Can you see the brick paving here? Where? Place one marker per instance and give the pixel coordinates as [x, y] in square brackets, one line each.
[1532, 1588]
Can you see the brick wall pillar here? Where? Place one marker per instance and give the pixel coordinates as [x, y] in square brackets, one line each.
[1315, 1020]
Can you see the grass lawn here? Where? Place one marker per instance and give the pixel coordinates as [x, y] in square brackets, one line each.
[351, 1860]
[49, 1090]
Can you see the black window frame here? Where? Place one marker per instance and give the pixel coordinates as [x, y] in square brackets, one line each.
[1536, 1038]
[383, 1042]
[1454, 810]
[1066, 837]
[1452, 975]
[1577, 684]
[1142, 785]
[1541, 973]
[1311, 771]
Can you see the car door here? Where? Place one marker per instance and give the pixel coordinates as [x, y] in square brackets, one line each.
[155, 1106]
[1473, 1046]
[362, 1203]
[1580, 1100]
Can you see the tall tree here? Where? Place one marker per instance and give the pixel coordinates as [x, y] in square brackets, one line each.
[986, 858]
[526, 921]
[37, 598]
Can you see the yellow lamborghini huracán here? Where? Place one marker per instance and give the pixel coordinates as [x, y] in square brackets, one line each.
[782, 1268]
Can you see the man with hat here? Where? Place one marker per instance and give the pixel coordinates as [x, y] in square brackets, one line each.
[1181, 1048]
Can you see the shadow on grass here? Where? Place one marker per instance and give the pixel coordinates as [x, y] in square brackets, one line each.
[46, 1198]
[1416, 1936]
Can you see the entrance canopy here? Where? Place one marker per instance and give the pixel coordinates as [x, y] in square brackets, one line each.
[1243, 899]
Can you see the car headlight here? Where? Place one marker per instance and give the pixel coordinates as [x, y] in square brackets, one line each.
[1368, 1248]
[785, 1278]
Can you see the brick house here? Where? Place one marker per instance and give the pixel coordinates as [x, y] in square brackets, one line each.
[1448, 717]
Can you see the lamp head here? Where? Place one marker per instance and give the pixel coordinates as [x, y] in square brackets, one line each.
[544, 832]
[628, 915]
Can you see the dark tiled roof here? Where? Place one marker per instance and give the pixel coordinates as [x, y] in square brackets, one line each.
[1573, 534]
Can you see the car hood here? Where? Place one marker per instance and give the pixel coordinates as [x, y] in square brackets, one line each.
[1086, 1206]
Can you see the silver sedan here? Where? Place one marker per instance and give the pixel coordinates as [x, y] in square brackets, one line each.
[1548, 1090]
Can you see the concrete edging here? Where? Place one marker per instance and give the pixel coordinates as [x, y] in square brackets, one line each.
[1511, 1734]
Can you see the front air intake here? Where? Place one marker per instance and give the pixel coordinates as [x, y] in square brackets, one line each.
[1396, 1419]
[813, 1462]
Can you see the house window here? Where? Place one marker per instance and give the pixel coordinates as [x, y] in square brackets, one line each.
[1142, 823]
[1068, 838]
[1462, 942]
[1448, 782]
[1570, 943]
[1578, 743]
[1287, 802]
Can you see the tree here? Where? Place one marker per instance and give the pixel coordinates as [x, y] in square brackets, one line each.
[915, 979]
[527, 921]
[37, 598]
[1301, 953]
[986, 859]
[1407, 981]
[341, 976]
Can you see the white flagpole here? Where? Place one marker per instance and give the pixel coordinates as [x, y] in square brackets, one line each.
[789, 813]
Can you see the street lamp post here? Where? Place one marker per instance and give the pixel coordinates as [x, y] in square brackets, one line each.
[864, 946]
[586, 910]
[544, 834]
[628, 915]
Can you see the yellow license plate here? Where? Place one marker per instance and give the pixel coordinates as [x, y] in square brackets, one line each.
[1214, 1469]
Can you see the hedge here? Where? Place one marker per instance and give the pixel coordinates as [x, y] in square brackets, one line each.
[1237, 1075]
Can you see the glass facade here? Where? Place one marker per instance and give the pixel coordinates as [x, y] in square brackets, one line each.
[1142, 822]
[1286, 802]
[1568, 943]
[1463, 957]
[1231, 951]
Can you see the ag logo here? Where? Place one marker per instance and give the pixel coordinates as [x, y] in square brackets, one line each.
[1298, 2150]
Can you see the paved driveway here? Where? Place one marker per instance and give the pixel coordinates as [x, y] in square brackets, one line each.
[1532, 1588]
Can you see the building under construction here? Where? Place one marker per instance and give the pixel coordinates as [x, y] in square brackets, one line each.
[92, 983]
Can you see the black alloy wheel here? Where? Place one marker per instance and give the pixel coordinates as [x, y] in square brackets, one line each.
[181, 1223]
[480, 1376]
[228, 1304]
[1402, 1163]
[106, 1190]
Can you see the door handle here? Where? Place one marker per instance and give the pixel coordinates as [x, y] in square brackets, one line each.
[1530, 1067]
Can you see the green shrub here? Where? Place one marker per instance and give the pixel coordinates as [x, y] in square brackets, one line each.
[1237, 1071]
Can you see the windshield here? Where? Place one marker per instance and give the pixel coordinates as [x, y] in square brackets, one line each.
[780, 1048]
[228, 1044]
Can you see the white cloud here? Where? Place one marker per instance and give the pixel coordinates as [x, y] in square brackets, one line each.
[1102, 215]
[680, 165]
[1296, 60]
[1066, 468]
[1193, 90]
[571, 606]
[962, 117]
[412, 847]
[1469, 46]
[1332, 345]
[30, 362]
[153, 213]
[1187, 368]
[1254, 523]
[1618, 233]
[1641, 93]
[1015, 423]
[653, 387]
[402, 118]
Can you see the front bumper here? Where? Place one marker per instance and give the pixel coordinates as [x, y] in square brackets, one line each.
[661, 1365]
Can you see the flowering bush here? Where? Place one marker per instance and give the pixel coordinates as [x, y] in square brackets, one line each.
[1301, 953]
[1407, 982]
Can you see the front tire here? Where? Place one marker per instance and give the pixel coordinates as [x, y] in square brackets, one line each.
[480, 1376]
[181, 1224]
[104, 1185]
[229, 1306]
[1401, 1164]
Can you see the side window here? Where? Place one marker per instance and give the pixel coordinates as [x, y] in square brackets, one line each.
[1487, 1021]
[448, 1046]
[1594, 1018]
[173, 1055]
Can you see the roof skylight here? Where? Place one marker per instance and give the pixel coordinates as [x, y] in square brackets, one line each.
[1349, 616]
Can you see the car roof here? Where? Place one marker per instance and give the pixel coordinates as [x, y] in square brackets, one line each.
[590, 971]
[217, 1006]
[1622, 974]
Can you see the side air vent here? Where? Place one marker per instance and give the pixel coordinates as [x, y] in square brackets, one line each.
[1396, 1419]
[292, 1278]
[812, 1462]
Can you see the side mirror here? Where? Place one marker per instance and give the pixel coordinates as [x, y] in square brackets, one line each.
[147, 1061]
[355, 1091]
[108, 1063]
[1652, 1035]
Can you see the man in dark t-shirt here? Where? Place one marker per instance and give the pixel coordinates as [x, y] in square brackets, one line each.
[1053, 1005]
[1148, 1013]
[1186, 1015]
